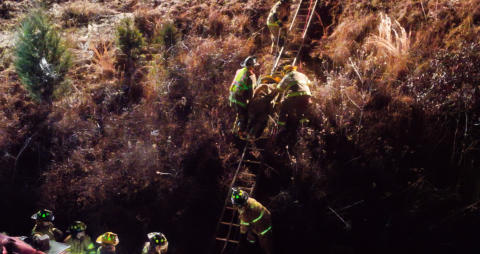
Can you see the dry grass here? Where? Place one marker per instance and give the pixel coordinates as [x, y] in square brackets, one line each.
[104, 58]
[81, 13]
[347, 38]
[218, 23]
[390, 45]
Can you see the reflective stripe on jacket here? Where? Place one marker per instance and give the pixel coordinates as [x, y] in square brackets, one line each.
[256, 217]
[80, 246]
[295, 84]
[242, 87]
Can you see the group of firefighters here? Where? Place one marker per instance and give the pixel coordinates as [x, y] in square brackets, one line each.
[255, 223]
[254, 100]
[46, 238]
[253, 103]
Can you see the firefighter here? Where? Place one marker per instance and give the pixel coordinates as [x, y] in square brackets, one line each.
[277, 18]
[255, 219]
[295, 105]
[157, 244]
[44, 225]
[108, 242]
[80, 243]
[241, 92]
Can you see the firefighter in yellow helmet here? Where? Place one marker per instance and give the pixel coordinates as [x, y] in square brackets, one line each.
[44, 225]
[108, 241]
[79, 241]
[295, 106]
[241, 92]
[157, 244]
[255, 220]
[276, 20]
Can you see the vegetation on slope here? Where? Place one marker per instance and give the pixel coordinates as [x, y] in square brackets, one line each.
[146, 141]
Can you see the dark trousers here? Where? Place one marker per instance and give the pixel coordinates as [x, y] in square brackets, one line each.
[293, 109]
[242, 117]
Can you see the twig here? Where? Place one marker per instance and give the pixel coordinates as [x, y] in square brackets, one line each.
[355, 104]
[355, 68]
[25, 145]
[423, 9]
[352, 205]
[347, 225]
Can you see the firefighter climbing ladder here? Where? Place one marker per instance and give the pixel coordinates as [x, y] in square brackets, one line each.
[228, 228]
[297, 32]
[227, 239]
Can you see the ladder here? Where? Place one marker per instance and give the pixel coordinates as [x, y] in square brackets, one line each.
[298, 30]
[227, 239]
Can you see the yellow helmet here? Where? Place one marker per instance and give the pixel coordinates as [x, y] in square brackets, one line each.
[269, 79]
[108, 238]
[288, 68]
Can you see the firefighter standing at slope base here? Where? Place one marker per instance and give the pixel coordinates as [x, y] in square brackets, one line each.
[157, 244]
[295, 107]
[255, 219]
[79, 242]
[108, 242]
[276, 20]
[241, 92]
[44, 225]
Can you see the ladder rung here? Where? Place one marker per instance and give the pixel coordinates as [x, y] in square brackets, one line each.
[230, 208]
[248, 174]
[228, 223]
[254, 162]
[227, 240]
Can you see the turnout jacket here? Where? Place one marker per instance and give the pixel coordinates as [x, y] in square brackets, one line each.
[241, 90]
[294, 84]
[255, 217]
[278, 14]
[80, 246]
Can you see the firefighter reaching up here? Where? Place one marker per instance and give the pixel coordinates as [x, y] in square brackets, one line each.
[255, 219]
[295, 106]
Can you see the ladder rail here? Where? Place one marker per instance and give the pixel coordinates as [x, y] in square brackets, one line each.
[227, 199]
[307, 27]
[275, 65]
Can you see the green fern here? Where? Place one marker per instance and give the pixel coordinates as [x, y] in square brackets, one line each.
[42, 60]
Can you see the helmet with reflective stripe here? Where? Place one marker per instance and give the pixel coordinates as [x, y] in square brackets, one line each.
[43, 215]
[108, 238]
[249, 61]
[239, 197]
[77, 226]
[157, 239]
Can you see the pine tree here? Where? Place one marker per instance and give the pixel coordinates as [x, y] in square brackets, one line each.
[42, 60]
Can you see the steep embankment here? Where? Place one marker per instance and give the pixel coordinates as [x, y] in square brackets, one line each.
[147, 147]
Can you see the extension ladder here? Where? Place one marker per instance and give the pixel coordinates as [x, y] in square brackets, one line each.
[297, 31]
[227, 239]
